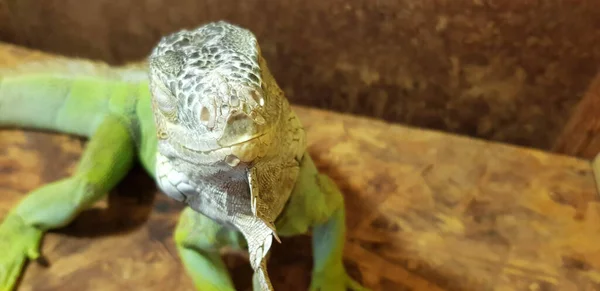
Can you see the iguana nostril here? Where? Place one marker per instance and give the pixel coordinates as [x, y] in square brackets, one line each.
[208, 116]
[204, 115]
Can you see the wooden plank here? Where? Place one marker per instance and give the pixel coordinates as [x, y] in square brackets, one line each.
[581, 135]
[426, 211]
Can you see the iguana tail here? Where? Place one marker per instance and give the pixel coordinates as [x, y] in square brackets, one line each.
[62, 94]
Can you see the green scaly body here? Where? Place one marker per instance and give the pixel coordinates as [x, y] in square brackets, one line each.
[115, 115]
[113, 108]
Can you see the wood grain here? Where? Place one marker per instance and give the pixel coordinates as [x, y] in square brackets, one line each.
[426, 211]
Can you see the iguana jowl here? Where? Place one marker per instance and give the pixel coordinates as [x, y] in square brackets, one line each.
[211, 125]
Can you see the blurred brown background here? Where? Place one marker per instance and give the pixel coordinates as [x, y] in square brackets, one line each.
[508, 71]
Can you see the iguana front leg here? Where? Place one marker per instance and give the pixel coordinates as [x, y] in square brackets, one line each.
[317, 203]
[107, 159]
[328, 245]
[199, 240]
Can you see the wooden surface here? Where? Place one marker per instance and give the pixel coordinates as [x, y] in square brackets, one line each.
[581, 135]
[426, 211]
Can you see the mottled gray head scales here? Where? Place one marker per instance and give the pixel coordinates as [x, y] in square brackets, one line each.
[215, 66]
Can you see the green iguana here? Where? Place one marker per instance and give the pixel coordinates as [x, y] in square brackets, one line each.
[208, 121]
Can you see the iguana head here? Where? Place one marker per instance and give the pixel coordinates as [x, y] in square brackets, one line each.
[211, 95]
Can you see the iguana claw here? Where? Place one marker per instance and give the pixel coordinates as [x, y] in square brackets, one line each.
[18, 243]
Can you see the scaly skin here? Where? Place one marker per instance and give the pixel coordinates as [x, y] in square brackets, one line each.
[211, 125]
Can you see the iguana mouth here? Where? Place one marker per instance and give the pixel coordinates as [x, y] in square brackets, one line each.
[206, 152]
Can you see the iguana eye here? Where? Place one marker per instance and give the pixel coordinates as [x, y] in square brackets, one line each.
[165, 68]
[165, 101]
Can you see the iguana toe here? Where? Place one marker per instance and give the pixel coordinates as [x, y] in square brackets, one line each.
[18, 242]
